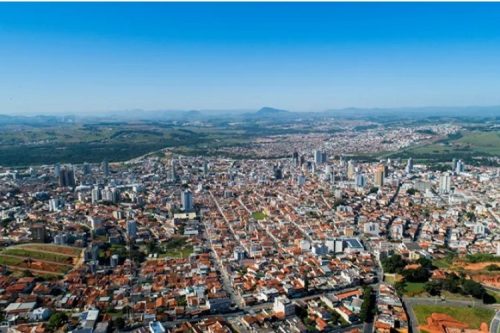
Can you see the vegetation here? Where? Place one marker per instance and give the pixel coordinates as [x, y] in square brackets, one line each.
[393, 264]
[472, 316]
[56, 320]
[458, 285]
[259, 215]
[368, 306]
[482, 257]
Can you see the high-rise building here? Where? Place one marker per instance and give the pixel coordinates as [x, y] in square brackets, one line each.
[351, 169]
[105, 167]
[445, 183]
[187, 200]
[301, 180]
[295, 159]
[278, 172]
[360, 180]
[409, 165]
[379, 176]
[38, 232]
[205, 167]
[67, 177]
[319, 157]
[57, 170]
[95, 195]
[460, 166]
[132, 228]
[86, 169]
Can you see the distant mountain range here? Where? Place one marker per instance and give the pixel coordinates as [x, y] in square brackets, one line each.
[263, 113]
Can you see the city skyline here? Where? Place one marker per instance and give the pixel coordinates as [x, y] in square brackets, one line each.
[91, 58]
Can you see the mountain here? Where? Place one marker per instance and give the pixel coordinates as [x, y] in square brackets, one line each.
[268, 111]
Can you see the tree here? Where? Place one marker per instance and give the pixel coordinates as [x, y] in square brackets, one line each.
[400, 287]
[368, 306]
[56, 320]
[473, 288]
[426, 263]
[433, 288]
[420, 274]
[452, 283]
[119, 323]
[393, 264]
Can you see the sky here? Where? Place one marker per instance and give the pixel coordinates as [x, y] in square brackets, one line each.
[102, 57]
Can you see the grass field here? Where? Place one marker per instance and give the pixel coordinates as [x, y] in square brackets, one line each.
[34, 254]
[466, 146]
[414, 288]
[259, 215]
[472, 316]
[176, 248]
[48, 258]
[182, 252]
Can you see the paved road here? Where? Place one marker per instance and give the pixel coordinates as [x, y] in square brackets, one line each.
[413, 319]
[452, 302]
[495, 323]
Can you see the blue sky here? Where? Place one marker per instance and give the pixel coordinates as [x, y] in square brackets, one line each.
[98, 57]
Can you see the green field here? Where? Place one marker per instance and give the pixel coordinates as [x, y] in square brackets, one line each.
[464, 145]
[259, 215]
[34, 254]
[182, 252]
[414, 288]
[472, 316]
[39, 258]
[176, 248]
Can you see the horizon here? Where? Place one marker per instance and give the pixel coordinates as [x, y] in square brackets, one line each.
[92, 58]
[418, 110]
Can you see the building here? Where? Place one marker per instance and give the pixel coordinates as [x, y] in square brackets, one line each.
[460, 167]
[409, 165]
[67, 177]
[301, 180]
[351, 169]
[187, 200]
[132, 229]
[156, 327]
[379, 176]
[95, 195]
[445, 183]
[105, 167]
[360, 180]
[319, 157]
[38, 232]
[282, 305]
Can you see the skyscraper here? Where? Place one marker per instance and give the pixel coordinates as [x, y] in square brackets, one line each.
[105, 167]
[379, 176]
[96, 195]
[409, 165]
[67, 177]
[187, 200]
[460, 166]
[86, 168]
[131, 229]
[445, 183]
[351, 169]
[360, 180]
[319, 157]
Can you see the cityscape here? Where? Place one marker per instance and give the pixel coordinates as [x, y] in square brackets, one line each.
[203, 211]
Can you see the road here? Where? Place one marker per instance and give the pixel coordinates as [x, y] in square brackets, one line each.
[452, 302]
[495, 323]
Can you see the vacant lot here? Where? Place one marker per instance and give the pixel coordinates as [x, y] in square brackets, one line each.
[472, 316]
[259, 215]
[40, 258]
